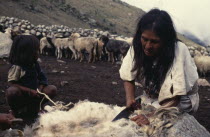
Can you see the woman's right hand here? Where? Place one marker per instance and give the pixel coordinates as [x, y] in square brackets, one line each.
[6, 121]
[129, 102]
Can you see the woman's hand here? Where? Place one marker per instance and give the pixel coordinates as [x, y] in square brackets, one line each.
[141, 120]
[6, 121]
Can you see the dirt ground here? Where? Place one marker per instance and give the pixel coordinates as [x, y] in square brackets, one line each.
[98, 82]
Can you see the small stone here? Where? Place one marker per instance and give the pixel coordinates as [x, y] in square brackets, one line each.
[114, 83]
[93, 67]
[61, 61]
[54, 71]
[39, 60]
[138, 84]
[62, 72]
[63, 83]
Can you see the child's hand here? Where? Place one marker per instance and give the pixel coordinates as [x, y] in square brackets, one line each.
[6, 121]
[33, 93]
[41, 87]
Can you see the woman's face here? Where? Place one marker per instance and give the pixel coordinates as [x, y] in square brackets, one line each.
[151, 43]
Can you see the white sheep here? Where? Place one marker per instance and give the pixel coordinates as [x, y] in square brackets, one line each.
[63, 44]
[89, 44]
[202, 62]
[6, 43]
[44, 44]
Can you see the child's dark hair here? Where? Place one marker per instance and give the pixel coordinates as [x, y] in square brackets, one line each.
[24, 50]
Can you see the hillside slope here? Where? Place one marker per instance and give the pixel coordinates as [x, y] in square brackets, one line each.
[112, 15]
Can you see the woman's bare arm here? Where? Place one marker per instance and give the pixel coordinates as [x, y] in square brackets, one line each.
[130, 92]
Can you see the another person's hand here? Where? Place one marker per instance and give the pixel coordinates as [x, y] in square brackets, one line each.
[6, 121]
[33, 93]
[41, 87]
[141, 120]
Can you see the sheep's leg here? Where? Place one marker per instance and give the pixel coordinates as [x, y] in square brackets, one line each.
[66, 53]
[109, 57]
[90, 56]
[56, 52]
[122, 58]
[74, 53]
[42, 50]
[94, 58]
[112, 57]
[81, 56]
[59, 53]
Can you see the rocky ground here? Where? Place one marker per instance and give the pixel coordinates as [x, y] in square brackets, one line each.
[98, 82]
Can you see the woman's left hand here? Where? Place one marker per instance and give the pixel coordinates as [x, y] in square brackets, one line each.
[140, 120]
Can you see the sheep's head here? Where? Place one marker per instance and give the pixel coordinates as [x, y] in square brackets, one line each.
[8, 30]
[197, 53]
[100, 43]
[74, 36]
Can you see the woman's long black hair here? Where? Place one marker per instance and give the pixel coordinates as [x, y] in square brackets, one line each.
[24, 50]
[161, 24]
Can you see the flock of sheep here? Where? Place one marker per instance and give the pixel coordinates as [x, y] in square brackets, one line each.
[78, 43]
[76, 47]
[105, 48]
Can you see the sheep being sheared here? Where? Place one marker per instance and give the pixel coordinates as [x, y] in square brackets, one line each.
[88, 119]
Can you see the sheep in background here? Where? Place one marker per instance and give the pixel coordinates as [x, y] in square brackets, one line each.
[116, 48]
[99, 49]
[45, 44]
[104, 55]
[5, 43]
[63, 44]
[57, 42]
[126, 39]
[89, 44]
[202, 63]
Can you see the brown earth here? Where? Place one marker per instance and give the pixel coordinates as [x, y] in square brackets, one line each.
[95, 82]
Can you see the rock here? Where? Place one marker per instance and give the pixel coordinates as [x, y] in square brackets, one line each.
[33, 32]
[93, 67]
[138, 84]
[62, 72]
[114, 83]
[54, 71]
[38, 34]
[187, 126]
[63, 83]
[60, 61]
[39, 60]
[119, 62]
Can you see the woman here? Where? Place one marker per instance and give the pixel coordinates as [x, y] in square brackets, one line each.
[163, 65]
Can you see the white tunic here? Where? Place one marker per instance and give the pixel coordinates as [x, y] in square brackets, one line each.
[183, 77]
